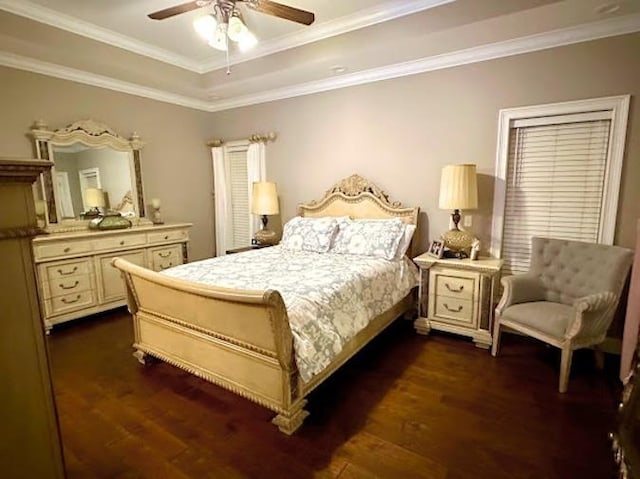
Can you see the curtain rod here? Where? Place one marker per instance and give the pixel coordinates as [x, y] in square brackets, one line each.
[255, 138]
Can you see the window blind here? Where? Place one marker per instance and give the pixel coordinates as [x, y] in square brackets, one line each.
[555, 183]
[239, 195]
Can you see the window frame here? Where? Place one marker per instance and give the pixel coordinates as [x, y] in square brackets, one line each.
[618, 106]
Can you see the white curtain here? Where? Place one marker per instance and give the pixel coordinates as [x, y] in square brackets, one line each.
[222, 205]
[256, 171]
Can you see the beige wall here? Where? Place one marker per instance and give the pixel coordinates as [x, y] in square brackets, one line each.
[399, 133]
[176, 165]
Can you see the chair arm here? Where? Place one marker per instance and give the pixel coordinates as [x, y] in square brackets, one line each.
[594, 302]
[520, 288]
[593, 314]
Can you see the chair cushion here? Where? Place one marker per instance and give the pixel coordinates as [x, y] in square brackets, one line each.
[544, 316]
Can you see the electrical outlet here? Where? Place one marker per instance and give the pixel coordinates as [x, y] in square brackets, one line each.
[467, 221]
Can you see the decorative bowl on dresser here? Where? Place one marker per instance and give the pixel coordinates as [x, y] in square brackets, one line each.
[456, 295]
[75, 277]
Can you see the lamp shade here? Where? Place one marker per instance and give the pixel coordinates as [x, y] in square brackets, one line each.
[264, 198]
[94, 197]
[459, 188]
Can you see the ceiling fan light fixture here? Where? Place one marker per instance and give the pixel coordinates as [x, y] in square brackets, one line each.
[247, 41]
[237, 29]
[205, 26]
[219, 41]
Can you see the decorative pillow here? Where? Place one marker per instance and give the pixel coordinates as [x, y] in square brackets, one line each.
[309, 234]
[379, 238]
[405, 240]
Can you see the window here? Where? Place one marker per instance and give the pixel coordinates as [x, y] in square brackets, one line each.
[558, 175]
[236, 165]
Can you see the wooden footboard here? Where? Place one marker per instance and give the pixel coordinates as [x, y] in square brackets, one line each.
[240, 340]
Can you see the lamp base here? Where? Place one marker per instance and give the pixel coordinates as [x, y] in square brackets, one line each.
[458, 241]
[266, 237]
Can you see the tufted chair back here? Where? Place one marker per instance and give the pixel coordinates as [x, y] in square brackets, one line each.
[572, 269]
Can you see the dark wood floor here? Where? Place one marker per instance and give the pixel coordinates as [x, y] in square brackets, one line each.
[407, 406]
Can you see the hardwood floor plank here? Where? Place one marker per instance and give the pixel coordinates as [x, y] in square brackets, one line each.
[406, 406]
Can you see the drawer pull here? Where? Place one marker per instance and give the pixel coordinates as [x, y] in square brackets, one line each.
[67, 273]
[162, 266]
[453, 310]
[166, 237]
[122, 243]
[454, 290]
[67, 249]
[164, 255]
[71, 301]
[76, 283]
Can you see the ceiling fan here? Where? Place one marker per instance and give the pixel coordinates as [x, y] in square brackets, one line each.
[263, 6]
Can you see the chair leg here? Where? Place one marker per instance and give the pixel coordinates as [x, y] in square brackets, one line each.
[565, 368]
[496, 337]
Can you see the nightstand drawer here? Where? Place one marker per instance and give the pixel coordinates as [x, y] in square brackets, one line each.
[454, 286]
[454, 310]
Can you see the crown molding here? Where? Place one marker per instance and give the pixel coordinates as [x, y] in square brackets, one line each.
[348, 23]
[541, 41]
[50, 69]
[592, 31]
[321, 31]
[32, 11]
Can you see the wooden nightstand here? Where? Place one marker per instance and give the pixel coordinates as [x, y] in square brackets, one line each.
[456, 295]
[242, 249]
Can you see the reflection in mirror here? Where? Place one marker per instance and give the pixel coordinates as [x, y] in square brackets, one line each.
[87, 155]
[79, 167]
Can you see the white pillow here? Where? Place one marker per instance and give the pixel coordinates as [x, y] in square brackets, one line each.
[378, 238]
[309, 234]
[405, 240]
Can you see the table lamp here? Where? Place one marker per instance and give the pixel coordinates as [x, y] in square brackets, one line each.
[94, 200]
[458, 191]
[264, 202]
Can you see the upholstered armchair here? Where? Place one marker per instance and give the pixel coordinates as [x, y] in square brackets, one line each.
[568, 297]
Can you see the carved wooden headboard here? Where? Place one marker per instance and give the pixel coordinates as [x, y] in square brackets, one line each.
[358, 198]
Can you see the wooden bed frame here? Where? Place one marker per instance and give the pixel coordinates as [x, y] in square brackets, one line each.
[239, 339]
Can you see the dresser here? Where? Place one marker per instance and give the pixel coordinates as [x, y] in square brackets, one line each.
[30, 444]
[74, 273]
[456, 295]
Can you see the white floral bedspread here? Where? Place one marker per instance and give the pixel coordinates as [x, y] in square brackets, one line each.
[329, 297]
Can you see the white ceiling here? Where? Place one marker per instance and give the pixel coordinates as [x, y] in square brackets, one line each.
[115, 45]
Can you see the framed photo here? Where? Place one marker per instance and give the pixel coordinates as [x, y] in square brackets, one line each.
[436, 248]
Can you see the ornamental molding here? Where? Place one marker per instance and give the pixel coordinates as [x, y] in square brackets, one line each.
[355, 185]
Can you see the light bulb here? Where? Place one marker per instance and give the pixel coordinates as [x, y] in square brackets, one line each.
[219, 41]
[205, 26]
[247, 41]
[236, 29]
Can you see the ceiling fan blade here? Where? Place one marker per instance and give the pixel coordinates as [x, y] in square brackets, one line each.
[175, 10]
[282, 11]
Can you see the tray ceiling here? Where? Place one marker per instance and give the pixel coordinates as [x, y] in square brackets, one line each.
[114, 45]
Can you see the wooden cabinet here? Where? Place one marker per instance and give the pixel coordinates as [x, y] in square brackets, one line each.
[457, 296]
[30, 444]
[74, 272]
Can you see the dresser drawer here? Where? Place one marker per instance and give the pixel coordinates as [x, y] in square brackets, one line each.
[68, 285]
[167, 257]
[62, 248]
[454, 310]
[167, 235]
[454, 285]
[120, 241]
[62, 270]
[69, 302]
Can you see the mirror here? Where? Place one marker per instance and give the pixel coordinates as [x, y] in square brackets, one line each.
[87, 155]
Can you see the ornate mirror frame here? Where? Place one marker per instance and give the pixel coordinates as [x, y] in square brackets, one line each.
[94, 135]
